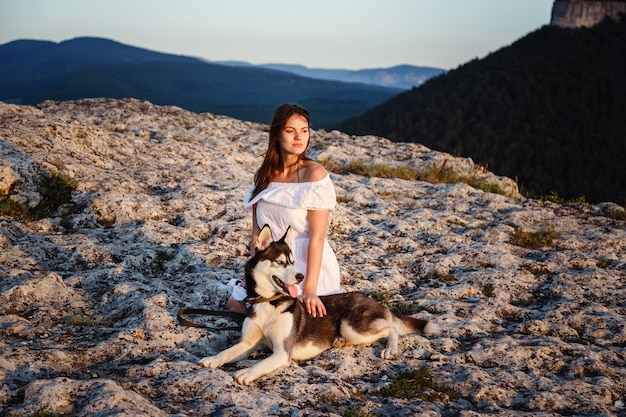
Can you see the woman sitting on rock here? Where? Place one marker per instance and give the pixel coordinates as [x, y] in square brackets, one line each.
[290, 189]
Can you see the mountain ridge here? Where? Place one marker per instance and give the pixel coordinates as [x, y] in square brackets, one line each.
[33, 71]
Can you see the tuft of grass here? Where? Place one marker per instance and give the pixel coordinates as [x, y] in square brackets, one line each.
[489, 290]
[80, 321]
[359, 167]
[440, 174]
[319, 145]
[382, 297]
[41, 412]
[533, 240]
[486, 186]
[107, 222]
[401, 309]
[408, 309]
[437, 174]
[11, 208]
[539, 298]
[184, 139]
[418, 383]
[554, 197]
[446, 278]
[537, 270]
[353, 411]
[523, 302]
[162, 257]
[578, 328]
[55, 190]
[616, 215]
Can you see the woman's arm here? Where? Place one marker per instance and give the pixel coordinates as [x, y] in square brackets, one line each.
[318, 223]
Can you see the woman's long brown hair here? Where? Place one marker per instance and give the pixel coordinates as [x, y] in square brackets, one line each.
[273, 161]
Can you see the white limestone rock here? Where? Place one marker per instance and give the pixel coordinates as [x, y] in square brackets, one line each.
[88, 299]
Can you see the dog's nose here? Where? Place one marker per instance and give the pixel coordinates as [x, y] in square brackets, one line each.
[299, 277]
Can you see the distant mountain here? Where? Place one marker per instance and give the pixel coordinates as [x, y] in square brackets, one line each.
[402, 77]
[34, 71]
[548, 110]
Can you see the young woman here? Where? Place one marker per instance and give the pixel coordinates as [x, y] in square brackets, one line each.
[290, 189]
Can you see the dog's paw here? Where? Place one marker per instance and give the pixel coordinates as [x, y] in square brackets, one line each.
[210, 362]
[245, 377]
[389, 353]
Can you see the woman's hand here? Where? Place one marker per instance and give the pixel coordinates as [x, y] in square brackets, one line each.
[313, 304]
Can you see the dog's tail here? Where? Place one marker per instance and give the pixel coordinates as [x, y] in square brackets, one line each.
[408, 324]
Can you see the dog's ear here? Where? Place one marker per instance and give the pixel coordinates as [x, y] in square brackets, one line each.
[288, 237]
[264, 239]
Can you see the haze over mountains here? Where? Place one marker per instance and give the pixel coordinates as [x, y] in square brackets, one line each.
[34, 71]
[402, 77]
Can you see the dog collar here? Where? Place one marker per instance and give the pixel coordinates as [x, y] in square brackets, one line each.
[259, 299]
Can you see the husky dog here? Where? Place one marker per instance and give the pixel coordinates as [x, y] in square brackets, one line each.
[279, 321]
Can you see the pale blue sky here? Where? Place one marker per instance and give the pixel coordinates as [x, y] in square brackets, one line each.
[350, 34]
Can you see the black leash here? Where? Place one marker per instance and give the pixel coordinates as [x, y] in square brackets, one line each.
[239, 317]
[229, 314]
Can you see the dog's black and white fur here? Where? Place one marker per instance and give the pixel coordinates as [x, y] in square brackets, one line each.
[282, 323]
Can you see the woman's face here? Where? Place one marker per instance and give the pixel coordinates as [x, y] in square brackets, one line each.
[294, 137]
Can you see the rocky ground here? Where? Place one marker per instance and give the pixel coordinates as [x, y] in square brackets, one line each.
[89, 294]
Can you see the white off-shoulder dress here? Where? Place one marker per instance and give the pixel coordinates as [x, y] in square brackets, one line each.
[284, 204]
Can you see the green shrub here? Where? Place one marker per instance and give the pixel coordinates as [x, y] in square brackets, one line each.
[533, 240]
[417, 383]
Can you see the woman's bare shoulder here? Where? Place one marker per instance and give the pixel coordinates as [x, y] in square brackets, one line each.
[313, 171]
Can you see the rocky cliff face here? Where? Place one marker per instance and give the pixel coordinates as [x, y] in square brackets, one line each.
[89, 295]
[583, 13]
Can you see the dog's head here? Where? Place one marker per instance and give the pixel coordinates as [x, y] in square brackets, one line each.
[271, 268]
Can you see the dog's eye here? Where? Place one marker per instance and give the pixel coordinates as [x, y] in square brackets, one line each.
[281, 263]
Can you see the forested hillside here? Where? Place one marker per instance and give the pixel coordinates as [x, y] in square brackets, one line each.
[548, 110]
